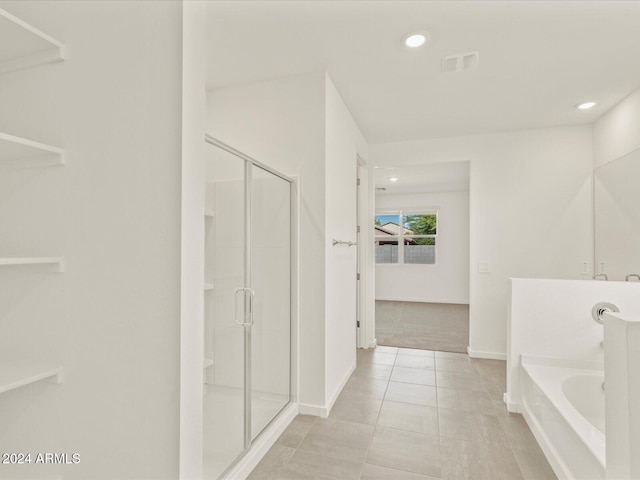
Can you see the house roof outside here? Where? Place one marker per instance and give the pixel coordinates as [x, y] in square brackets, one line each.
[391, 229]
[394, 229]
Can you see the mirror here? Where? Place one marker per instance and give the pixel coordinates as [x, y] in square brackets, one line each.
[617, 217]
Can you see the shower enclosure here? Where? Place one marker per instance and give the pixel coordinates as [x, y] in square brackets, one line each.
[247, 365]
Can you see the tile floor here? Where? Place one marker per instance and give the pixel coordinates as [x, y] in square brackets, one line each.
[412, 415]
[430, 326]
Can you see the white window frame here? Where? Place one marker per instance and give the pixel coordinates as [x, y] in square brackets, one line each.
[402, 213]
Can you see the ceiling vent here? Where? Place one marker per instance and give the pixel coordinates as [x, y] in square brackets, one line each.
[460, 62]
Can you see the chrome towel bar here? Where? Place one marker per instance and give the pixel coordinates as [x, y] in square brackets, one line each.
[342, 242]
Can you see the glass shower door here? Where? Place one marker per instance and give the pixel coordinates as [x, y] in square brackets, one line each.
[247, 366]
[271, 282]
[225, 277]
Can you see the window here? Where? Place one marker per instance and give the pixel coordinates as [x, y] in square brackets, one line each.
[406, 237]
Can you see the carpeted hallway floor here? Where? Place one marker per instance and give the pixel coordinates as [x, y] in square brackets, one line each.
[428, 326]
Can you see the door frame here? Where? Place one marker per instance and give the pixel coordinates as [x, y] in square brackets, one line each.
[365, 310]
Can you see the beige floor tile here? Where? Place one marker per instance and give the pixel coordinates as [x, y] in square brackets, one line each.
[338, 439]
[378, 358]
[383, 349]
[496, 394]
[457, 365]
[462, 381]
[375, 472]
[272, 463]
[356, 408]
[471, 427]
[463, 460]
[415, 361]
[413, 375]
[518, 433]
[410, 393]
[490, 368]
[307, 465]
[450, 355]
[412, 418]
[415, 351]
[296, 431]
[534, 465]
[408, 451]
[380, 372]
[366, 387]
[457, 399]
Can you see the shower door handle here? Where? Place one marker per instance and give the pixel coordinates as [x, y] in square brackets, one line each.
[244, 313]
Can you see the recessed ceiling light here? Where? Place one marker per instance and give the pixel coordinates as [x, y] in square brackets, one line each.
[586, 105]
[394, 179]
[414, 40]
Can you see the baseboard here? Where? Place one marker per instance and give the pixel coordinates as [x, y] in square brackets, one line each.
[338, 391]
[489, 355]
[315, 410]
[422, 300]
[513, 407]
[263, 443]
[323, 411]
[374, 344]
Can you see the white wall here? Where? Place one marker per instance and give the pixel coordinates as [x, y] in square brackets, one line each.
[192, 241]
[342, 139]
[530, 214]
[112, 319]
[448, 280]
[617, 132]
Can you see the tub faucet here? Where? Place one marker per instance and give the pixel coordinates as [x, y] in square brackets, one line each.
[600, 275]
[626, 278]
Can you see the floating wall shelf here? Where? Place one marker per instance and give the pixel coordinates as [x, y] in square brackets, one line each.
[15, 148]
[23, 46]
[18, 261]
[16, 376]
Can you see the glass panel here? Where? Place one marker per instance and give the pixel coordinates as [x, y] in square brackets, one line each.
[387, 224]
[386, 252]
[271, 282]
[421, 224]
[420, 251]
[224, 365]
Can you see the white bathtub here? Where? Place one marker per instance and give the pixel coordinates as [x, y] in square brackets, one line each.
[564, 407]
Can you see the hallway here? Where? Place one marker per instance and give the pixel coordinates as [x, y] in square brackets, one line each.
[412, 415]
[428, 326]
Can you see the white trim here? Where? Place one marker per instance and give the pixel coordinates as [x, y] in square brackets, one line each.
[263, 443]
[422, 300]
[553, 457]
[324, 411]
[513, 407]
[489, 355]
[338, 391]
[315, 410]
